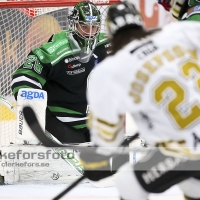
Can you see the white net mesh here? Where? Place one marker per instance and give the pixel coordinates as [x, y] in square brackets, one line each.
[21, 30]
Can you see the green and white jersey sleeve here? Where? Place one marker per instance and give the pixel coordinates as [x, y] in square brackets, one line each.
[38, 65]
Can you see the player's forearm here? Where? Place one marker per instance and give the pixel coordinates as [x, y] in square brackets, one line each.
[104, 132]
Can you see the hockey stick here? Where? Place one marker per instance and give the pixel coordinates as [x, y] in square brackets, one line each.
[124, 143]
[32, 121]
[50, 141]
[69, 188]
[74, 163]
[34, 125]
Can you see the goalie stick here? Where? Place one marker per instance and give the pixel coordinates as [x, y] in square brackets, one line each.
[34, 125]
[32, 121]
[49, 140]
[73, 162]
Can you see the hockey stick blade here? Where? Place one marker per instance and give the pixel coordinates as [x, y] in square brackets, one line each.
[68, 189]
[35, 127]
[49, 141]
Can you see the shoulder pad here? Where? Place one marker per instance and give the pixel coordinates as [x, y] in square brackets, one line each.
[56, 49]
[102, 39]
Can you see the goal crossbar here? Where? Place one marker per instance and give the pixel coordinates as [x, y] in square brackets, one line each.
[50, 3]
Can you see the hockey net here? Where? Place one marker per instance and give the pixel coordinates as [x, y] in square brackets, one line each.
[25, 25]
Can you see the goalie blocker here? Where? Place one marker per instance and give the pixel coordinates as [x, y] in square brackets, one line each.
[36, 99]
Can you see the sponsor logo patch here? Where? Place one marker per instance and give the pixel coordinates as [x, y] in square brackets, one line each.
[107, 45]
[57, 45]
[21, 119]
[99, 1]
[32, 95]
[61, 51]
[68, 60]
[91, 18]
[70, 66]
[78, 71]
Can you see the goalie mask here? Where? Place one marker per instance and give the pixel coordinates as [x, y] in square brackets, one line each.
[85, 24]
[121, 16]
[178, 7]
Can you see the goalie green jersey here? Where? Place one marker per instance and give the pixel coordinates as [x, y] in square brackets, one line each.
[56, 68]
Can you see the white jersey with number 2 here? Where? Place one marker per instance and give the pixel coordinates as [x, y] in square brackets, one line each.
[157, 80]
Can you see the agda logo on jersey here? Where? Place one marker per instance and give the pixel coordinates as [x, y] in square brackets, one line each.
[32, 95]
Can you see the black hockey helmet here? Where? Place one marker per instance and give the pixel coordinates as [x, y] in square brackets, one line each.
[85, 14]
[121, 16]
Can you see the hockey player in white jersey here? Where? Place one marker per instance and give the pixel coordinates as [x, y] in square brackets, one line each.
[156, 77]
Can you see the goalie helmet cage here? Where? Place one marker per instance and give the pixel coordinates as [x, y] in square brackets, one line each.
[25, 25]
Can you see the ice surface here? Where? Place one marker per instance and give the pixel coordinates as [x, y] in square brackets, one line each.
[82, 191]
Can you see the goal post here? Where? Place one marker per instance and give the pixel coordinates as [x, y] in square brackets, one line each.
[25, 25]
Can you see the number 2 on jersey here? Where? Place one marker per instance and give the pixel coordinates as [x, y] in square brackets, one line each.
[180, 94]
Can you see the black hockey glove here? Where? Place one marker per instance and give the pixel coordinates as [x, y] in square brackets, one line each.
[96, 166]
